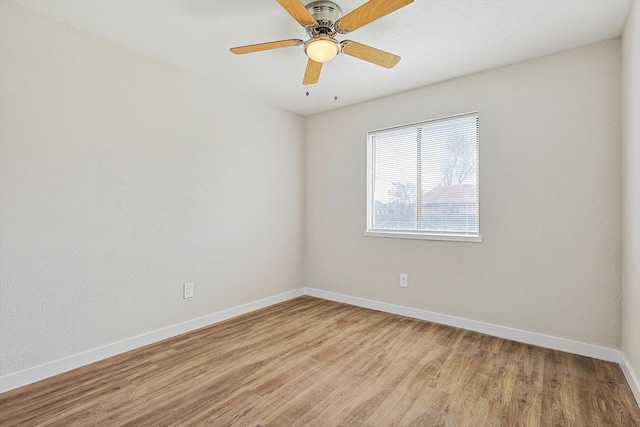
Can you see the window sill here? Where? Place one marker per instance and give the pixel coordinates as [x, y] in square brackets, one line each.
[421, 236]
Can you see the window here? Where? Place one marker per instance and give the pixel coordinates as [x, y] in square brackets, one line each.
[423, 180]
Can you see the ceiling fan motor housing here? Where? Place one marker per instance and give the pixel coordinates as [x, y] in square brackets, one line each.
[326, 13]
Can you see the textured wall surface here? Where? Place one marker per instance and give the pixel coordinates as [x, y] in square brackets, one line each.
[549, 196]
[122, 178]
[631, 189]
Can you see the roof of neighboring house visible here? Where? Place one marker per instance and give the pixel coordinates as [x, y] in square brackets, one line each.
[465, 193]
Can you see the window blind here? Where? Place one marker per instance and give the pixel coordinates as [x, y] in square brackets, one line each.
[423, 178]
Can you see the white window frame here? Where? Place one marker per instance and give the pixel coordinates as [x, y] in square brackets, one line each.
[417, 234]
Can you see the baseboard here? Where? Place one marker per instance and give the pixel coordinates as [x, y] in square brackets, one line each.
[632, 378]
[547, 341]
[31, 375]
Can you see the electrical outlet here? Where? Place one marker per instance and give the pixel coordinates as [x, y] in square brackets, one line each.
[404, 281]
[187, 290]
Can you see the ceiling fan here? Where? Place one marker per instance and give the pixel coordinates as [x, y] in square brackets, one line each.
[323, 20]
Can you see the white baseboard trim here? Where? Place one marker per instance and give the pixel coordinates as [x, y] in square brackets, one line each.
[541, 340]
[31, 375]
[632, 378]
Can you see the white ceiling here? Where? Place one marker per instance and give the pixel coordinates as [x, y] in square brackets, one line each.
[437, 40]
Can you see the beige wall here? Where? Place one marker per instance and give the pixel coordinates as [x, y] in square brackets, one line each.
[123, 178]
[550, 201]
[631, 189]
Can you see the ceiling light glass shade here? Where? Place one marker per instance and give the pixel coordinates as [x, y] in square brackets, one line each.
[322, 49]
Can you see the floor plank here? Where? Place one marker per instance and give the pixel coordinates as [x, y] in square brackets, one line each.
[311, 362]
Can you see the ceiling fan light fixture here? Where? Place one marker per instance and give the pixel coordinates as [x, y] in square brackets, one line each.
[323, 20]
[322, 49]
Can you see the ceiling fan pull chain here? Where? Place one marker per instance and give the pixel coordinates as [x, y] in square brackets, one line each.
[337, 78]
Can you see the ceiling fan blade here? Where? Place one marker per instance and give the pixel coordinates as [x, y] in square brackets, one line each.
[370, 54]
[265, 46]
[367, 13]
[298, 11]
[312, 73]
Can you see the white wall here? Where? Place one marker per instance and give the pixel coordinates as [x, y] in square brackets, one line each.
[631, 191]
[550, 201]
[121, 178]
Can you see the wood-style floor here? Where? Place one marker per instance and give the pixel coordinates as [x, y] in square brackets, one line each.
[311, 362]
